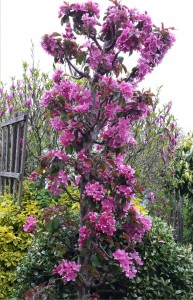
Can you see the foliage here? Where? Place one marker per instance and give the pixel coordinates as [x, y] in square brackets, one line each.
[93, 119]
[139, 205]
[167, 272]
[25, 95]
[14, 242]
[184, 167]
[34, 274]
[45, 199]
[188, 221]
[183, 187]
[153, 157]
[57, 238]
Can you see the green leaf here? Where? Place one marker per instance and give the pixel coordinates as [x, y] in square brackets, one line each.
[64, 19]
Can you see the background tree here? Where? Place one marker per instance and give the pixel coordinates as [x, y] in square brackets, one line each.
[153, 157]
[25, 95]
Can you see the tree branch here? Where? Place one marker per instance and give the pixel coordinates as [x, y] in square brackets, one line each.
[71, 197]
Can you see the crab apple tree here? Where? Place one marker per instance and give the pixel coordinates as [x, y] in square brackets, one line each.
[93, 106]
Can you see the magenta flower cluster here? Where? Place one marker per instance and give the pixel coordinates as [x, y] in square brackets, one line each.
[127, 262]
[95, 190]
[30, 225]
[67, 270]
[137, 226]
[136, 32]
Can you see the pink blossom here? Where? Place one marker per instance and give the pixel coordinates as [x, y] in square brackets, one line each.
[126, 89]
[57, 124]
[95, 190]
[93, 216]
[79, 7]
[66, 137]
[67, 270]
[28, 102]
[126, 207]
[33, 176]
[9, 97]
[2, 112]
[118, 135]
[57, 76]
[93, 8]
[69, 32]
[151, 196]
[30, 226]
[126, 190]
[126, 170]
[81, 108]
[114, 15]
[84, 163]
[127, 262]
[137, 225]
[88, 21]
[63, 9]
[169, 107]
[57, 154]
[62, 178]
[108, 204]
[172, 124]
[95, 58]
[54, 188]
[84, 234]
[49, 44]
[20, 94]
[106, 223]
[10, 108]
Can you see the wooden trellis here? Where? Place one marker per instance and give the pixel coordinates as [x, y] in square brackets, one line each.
[13, 150]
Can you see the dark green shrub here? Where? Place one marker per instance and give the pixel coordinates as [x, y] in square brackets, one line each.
[51, 245]
[167, 272]
[188, 221]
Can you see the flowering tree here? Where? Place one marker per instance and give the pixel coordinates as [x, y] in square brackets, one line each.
[93, 109]
[156, 135]
[24, 94]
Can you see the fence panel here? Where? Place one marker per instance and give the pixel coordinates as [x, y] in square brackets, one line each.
[13, 151]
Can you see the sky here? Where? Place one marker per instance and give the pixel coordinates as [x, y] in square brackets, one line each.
[23, 21]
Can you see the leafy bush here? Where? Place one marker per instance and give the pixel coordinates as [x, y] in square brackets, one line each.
[167, 272]
[13, 240]
[34, 274]
[57, 239]
[188, 221]
[45, 199]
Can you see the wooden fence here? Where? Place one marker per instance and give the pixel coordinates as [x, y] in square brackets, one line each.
[13, 150]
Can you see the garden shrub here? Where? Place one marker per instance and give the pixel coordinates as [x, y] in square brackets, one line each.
[188, 221]
[57, 239]
[167, 272]
[14, 241]
[45, 198]
[34, 274]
